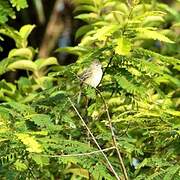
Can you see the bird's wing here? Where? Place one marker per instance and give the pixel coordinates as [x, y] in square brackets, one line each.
[84, 75]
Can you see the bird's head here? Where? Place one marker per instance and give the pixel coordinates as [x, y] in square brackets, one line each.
[96, 64]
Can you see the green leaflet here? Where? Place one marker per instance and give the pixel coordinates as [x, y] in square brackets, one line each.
[123, 47]
[19, 4]
[30, 142]
[145, 33]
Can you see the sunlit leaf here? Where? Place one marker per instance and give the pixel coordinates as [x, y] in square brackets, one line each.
[150, 34]
[30, 142]
[22, 52]
[24, 65]
[123, 47]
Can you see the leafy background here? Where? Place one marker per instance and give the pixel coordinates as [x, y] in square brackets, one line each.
[41, 134]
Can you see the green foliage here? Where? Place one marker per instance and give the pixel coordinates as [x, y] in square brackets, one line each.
[22, 58]
[7, 11]
[41, 135]
[19, 4]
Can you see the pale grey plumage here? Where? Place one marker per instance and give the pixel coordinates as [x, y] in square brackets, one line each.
[93, 75]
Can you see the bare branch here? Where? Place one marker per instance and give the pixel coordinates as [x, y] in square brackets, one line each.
[114, 138]
[94, 139]
[78, 154]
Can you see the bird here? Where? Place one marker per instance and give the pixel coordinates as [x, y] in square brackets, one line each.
[92, 75]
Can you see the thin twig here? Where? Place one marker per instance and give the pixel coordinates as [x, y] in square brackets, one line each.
[110, 60]
[78, 154]
[94, 139]
[114, 138]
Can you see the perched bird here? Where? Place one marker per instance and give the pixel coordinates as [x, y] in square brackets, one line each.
[93, 75]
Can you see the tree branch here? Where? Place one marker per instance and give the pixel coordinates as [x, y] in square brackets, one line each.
[54, 28]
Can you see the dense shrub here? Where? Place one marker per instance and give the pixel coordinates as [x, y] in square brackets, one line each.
[52, 127]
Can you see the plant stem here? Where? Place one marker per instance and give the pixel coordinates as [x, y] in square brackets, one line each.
[94, 139]
[78, 154]
[114, 139]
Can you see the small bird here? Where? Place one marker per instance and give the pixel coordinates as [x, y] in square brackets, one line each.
[93, 75]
